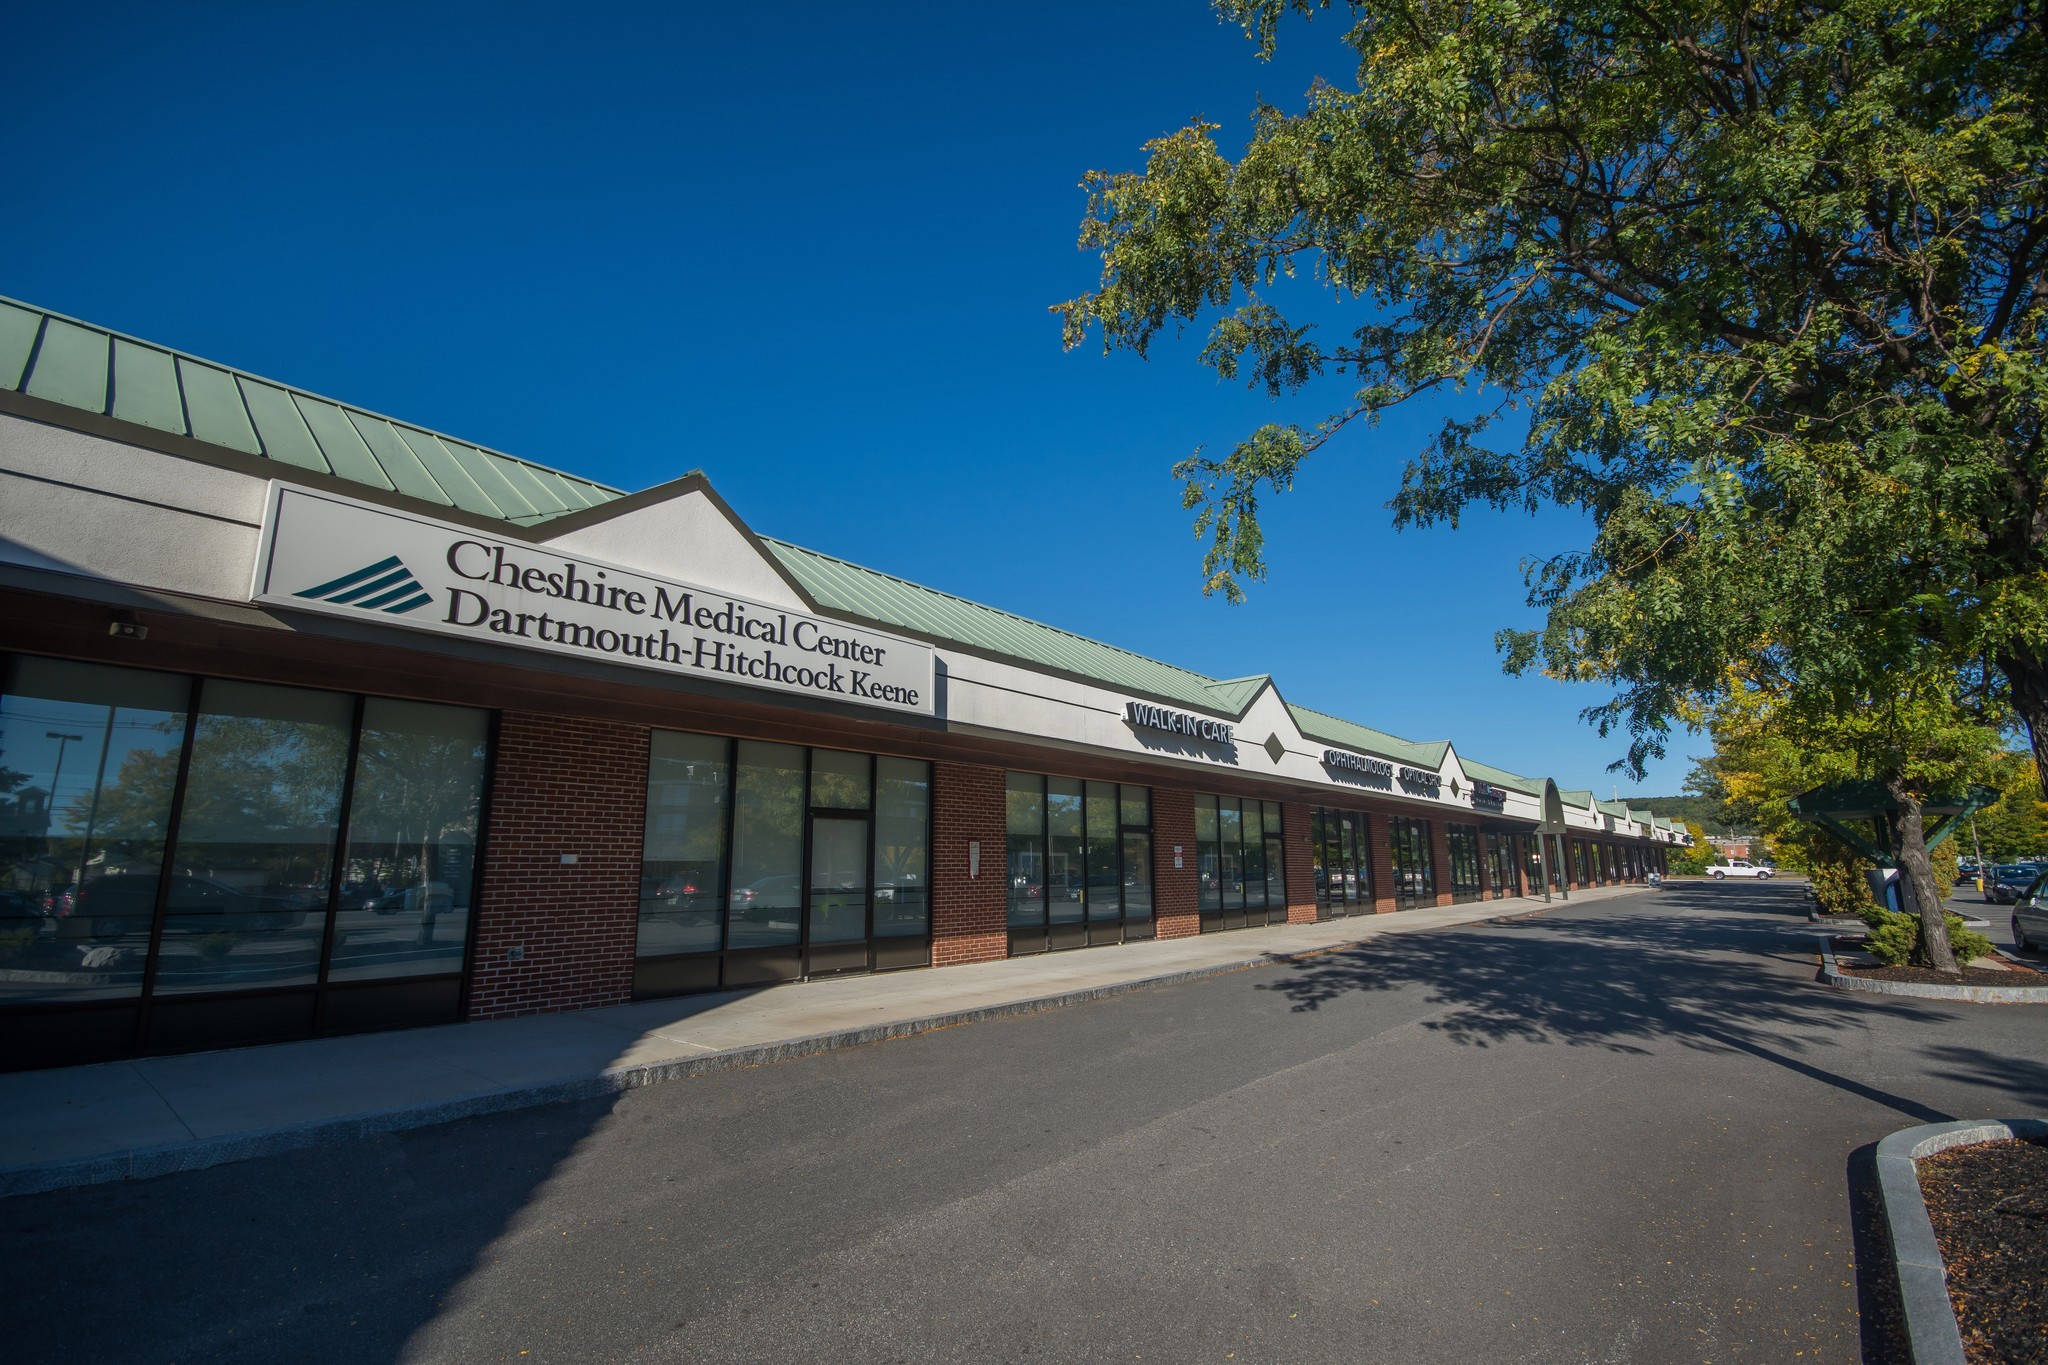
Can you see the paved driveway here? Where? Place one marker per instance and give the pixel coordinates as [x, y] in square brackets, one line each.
[1625, 1132]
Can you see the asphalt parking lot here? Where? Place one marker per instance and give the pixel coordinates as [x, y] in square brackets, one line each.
[1632, 1131]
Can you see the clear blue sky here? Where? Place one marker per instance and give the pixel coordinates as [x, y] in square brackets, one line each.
[808, 250]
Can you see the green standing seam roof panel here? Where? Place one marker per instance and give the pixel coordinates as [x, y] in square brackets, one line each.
[281, 428]
[476, 467]
[445, 469]
[570, 491]
[1236, 693]
[892, 601]
[1336, 730]
[214, 405]
[71, 367]
[545, 503]
[400, 465]
[18, 328]
[1501, 777]
[340, 443]
[146, 387]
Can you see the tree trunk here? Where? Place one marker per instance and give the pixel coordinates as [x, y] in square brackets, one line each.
[1922, 897]
[2026, 671]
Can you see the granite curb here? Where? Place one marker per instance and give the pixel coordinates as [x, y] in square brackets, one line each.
[1832, 973]
[1932, 1335]
[144, 1163]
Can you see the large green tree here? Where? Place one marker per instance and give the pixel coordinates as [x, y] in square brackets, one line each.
[1759, 287]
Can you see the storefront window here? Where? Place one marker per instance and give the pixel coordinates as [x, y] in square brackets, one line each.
[179, 874]
[765, 862]
[1024, 801]
[1238, 862]
[1338, 851]
[682, 874]
[903, 803]
[1414, 869]
[1463, 842]
[88, 773]
[1080, 862]
[409, 877]
[254, 852]
[767, 845]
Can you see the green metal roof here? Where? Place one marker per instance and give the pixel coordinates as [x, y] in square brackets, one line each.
[1336, 730]
[890, 601]
[1501, 777]
[46, 355]
[92, 369]
[1234, 694]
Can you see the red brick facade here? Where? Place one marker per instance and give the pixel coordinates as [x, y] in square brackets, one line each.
[968, 911]
[562, 787]
[1176, 891]
[1382, 871]
[1440, 859]
[1299, 864]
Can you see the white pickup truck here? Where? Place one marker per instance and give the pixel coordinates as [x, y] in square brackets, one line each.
[1742, 867]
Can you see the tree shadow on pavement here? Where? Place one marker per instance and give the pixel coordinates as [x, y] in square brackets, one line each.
[1717, 982]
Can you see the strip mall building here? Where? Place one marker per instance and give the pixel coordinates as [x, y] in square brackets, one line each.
[315, 722]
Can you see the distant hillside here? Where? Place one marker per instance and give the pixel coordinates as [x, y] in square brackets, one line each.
[1698, 809]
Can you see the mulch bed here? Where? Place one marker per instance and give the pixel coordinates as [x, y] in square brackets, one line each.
[1969, 976]
[1989, 1205]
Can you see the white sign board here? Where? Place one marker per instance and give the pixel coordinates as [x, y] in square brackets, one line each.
[362, 562]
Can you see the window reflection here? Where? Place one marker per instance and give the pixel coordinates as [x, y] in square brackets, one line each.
[409, 876]
[682, 872]
[88, 769]
[254, 855]
[767, 846]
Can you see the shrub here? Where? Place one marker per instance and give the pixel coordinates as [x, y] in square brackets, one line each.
[1840, 887]
[1895, 938]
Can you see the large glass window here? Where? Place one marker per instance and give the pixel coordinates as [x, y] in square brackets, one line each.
[254, 851]
[682, 873]
[1501, 872]
[768, 861]
[767, 845]
[1463, 841]
[903, 891]
[88, 775]
[1414, 865]
[220, 853]
[1239, 862]
[1080, 862]
[1338, 850]
[409, 874]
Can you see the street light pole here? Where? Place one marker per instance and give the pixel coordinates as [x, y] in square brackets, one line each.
[56, 777]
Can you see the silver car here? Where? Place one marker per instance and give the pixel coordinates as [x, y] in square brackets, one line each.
[2030, 915]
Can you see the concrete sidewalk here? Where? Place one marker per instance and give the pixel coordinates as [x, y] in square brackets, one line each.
[151, 1116]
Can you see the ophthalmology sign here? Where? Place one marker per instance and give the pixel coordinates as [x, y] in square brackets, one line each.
[361, 562]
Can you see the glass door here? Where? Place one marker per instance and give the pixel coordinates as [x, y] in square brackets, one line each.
[836, 905]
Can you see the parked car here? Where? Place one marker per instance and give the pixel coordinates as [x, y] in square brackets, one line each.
[433, 897]
[1743, 867]
[2008, 882]
[125, 902]
[2030, 915]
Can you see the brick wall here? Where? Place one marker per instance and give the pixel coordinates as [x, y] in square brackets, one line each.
[561, 786]
[1440, 856]
[1382, 865]
[968, 913]
[1176, 891]
[1300, 863]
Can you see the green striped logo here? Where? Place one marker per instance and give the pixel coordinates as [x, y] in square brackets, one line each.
[386, 586]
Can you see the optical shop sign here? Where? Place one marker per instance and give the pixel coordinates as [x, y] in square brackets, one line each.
[354, 560]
